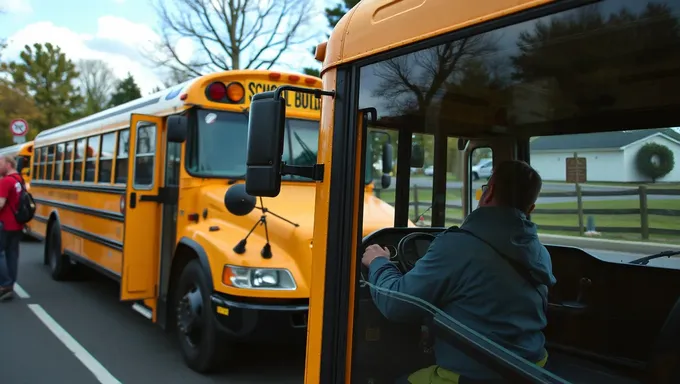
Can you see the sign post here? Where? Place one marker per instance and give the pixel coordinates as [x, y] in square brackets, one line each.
[19, 129]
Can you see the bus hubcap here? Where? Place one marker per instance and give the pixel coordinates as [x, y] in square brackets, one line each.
[189, 313]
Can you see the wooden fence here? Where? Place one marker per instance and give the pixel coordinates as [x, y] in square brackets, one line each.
[642, 192]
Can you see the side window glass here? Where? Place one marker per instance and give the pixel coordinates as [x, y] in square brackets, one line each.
[78, 162]
[58, 163]
[92, 153]
[144, 156]
[106, 157]
[420, 196]
[36, 164]
[67, 161]
[50, 161]
[122, 157]
[481, 167]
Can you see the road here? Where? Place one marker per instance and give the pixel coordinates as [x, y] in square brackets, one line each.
[126, 346]
[107, 337]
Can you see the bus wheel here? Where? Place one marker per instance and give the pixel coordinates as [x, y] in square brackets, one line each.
[58, 262]
[202, 346]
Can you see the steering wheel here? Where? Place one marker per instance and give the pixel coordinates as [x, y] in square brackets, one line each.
[407, 249]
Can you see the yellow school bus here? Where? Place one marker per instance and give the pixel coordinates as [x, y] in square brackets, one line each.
[482, 75]
[22, 153]
[151, 194]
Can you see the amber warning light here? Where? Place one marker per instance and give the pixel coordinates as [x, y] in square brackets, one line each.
[221, 93]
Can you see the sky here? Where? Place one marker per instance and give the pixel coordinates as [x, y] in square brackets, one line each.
[119, 32]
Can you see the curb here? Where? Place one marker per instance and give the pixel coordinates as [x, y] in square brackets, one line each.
[608, 245]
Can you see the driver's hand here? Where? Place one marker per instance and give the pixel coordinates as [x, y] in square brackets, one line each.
[372, 252]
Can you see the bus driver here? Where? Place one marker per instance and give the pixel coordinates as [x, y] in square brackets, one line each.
[492, 274]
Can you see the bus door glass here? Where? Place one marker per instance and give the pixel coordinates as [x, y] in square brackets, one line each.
[141, 246]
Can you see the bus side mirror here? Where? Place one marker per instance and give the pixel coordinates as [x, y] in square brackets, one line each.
[177, 127]
[387, 157]
[417, 156]
[265, 144]
[385, 181]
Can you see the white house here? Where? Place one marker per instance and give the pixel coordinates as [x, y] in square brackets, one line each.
[610, 156]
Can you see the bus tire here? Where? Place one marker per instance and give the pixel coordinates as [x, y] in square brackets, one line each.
[201, 344]
[60, 267]
[475, 176]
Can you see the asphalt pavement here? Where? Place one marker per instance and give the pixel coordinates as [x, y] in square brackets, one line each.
[68, 332]
[78, 332]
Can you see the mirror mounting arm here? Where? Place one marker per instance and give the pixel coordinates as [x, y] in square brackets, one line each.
[316, 92]
[314, 172]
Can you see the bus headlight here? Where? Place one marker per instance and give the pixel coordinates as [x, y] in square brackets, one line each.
[258, 278]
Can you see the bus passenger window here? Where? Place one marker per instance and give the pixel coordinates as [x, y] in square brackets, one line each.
[91, 162]
[58, 161]
[49, 160]
[122, 157]
[144, 155]
[106, 157]
[36, 164]
[78, 162]
[67, 161]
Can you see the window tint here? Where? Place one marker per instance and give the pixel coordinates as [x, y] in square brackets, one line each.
[144, 155]
[68, 161]
[106, 157]
[122, 156]
[78, 162]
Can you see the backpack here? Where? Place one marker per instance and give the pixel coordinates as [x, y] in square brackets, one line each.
[26, 206]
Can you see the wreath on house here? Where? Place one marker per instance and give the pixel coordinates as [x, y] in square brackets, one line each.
[655, 161]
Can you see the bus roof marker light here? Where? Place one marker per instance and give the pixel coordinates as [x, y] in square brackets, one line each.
[216, 91]
[294, 78]
[274, 76]
[184, 96]
[310, 80]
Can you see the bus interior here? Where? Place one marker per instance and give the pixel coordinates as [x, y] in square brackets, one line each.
[608, 67]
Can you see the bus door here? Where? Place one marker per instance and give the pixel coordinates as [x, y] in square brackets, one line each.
[141, 242]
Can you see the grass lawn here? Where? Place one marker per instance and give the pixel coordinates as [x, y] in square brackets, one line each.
[601, 221]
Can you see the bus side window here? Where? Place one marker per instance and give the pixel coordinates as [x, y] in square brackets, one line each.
[36, 163]
[144, 155]
[91, 157]
[78, 161]
[106, 157]
[67, 161]
[481, 167]
[50, 161]
[122, 157]
[58, 162]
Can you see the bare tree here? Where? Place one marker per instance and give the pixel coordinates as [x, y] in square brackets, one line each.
[230, 34]
[176, 76]
[96, 83]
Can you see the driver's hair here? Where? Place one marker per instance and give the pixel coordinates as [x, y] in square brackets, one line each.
[516, 184]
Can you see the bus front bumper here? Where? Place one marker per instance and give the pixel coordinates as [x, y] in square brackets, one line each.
[240, 319]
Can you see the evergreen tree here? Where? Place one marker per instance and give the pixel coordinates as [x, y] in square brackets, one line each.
[126, 90]
[45, 73]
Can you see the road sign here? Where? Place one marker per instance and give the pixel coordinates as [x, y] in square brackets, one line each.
[576, 169]
[19, 127]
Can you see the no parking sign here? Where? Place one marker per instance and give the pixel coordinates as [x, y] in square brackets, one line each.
[19, 129]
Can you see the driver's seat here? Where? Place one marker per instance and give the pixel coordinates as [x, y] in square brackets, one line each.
[664, 363]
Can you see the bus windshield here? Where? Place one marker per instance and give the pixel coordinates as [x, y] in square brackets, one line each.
[217, 148]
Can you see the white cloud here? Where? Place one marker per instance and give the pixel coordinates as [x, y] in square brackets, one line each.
[117, 41]
[16, 6]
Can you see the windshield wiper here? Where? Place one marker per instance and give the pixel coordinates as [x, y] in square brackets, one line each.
[645, 260]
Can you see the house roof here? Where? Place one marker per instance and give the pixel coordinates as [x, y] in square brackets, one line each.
[598, 140]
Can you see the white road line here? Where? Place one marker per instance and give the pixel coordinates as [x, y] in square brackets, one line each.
[20, 292]
[81, 353]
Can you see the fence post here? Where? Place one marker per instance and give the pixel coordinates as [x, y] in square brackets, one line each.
[579, 209]
[416, 204]
[644, 215]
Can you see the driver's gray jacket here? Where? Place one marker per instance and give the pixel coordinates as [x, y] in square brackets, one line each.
[463, 276]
